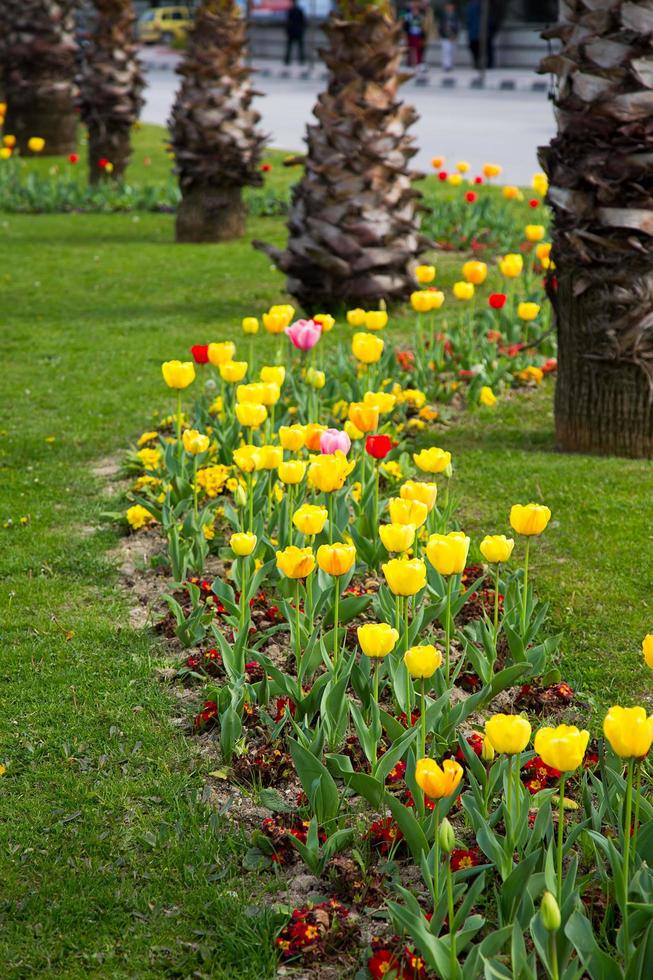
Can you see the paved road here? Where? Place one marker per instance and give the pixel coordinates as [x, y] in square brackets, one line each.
[505, 127]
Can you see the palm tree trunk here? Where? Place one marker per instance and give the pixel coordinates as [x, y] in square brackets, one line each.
[37, 55]
[600, 170]
[111, 83]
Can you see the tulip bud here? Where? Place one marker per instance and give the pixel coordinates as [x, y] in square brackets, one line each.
[447, 837]
[448, 472]
[240, 496]
[550, 913]
[487, 752]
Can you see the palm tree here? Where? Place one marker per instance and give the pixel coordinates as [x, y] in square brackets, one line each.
[111, 82]
[37, 58]
[354, 218]
[214, 131]
[600, 169]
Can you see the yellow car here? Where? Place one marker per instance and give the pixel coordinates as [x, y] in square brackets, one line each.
[163, 25]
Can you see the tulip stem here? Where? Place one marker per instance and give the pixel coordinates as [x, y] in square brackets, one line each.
[561, 824]
[447, 632]
[178, 422]
[509, 803]
[496, 608]
[250, 501]
[290, 506]
[627, 828]
[436, 857]
[422, 720]
[243, 591]
[298, 646]
[452, 931]
[195, 486]
[330, 509]
[409, 686]
[336, 610]
[376, 498]
[553, 955]
[638, 785]
[309, 594]
[524, 605]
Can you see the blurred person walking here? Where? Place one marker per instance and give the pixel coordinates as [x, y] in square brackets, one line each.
[295, 28]
[474, 17]
[449, 28]
[415, 26]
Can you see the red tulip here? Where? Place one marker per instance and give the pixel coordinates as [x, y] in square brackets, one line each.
[102, 162]
[471, 197]
[72, 158]
[478, 180]
[533, 203]
[200, 353]
[443, 175]
[497, 300]
[378, 446]
[266, 167]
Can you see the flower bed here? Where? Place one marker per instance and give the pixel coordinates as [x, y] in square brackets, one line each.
[373, 685]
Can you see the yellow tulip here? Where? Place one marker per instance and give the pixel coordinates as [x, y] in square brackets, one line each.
[295, 562]
[356, 318]
[509, 734]
[397, 537]
[247, 458]
[463, 290]
[420, 300]
[315, 378]
[563, 747]
[194, 442]
[365, 417]
[528, 311]
[336, 559]
[274, 374]
[438, 782]
[271, 457]
[455, 180]
[251, 394]
[35, 144]
[529, 519]
[448, 552]
[540, 184]
[328, 472]
[250, 325]
[367, 348]
[292, 437]
[221, 353]
[178, 374]
[629, 731]
[377, 639]
[492, 170]
[242, 543]
[310, 519]
[422, 661]
[512, 193]
[326, 321]
[496, 548]
[405, 577]
[383, 400]
[5, 152]
[433, 460]
[463, 167]
[535, 233]
[251, 416]
[487, 397]
[9, 140]
[276, 320]
[376, 320]
[424, 274]
[404, 511]
[647, 649]
[475, 272]
[292, 471]
[270, 394]
[416, 490]
[511, 265]
[353, 431]
[233, 371]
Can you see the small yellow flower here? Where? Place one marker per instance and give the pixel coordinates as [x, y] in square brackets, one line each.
[147, 437]
[138, 517]
[487, 397]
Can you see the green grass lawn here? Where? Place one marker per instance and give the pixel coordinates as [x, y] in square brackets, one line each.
[112, 866]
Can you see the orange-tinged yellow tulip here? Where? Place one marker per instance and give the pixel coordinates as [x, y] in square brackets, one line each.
[9, 140]
[529, 519]
[328, 472]
[292, 471]
[365, 417]
[310, 519]
[405, 577]
[313, 435]
[475, 272]
[376, 640]
[511, 265]
[221, 353]
[420, 300]
[417, 490]
[492, 170]
[251, 416]
[463, 290]
[383, 400]
[326, 321]
[535, 233]
[247, 458]
[292, 437]
[563, 747]
[367, 348]
[376, 319]
[178, 374]
[509, 734]
[448, 552]
[496, 548]
[629, 731]
[647, 650]
[397, 537]
[336, 559]
[242, 543]
[438, 782]
[528, 311]
[404, 511]
[352, 431]
[295, 562]
[433, 460]
[194, 442]
[424, 274]
[233, 371]
[275, 322]
[274, 374]
[250, 325]
[511, 193]
[422, 661]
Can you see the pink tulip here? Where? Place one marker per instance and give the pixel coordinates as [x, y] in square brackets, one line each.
[304, 333]
[334, 440]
